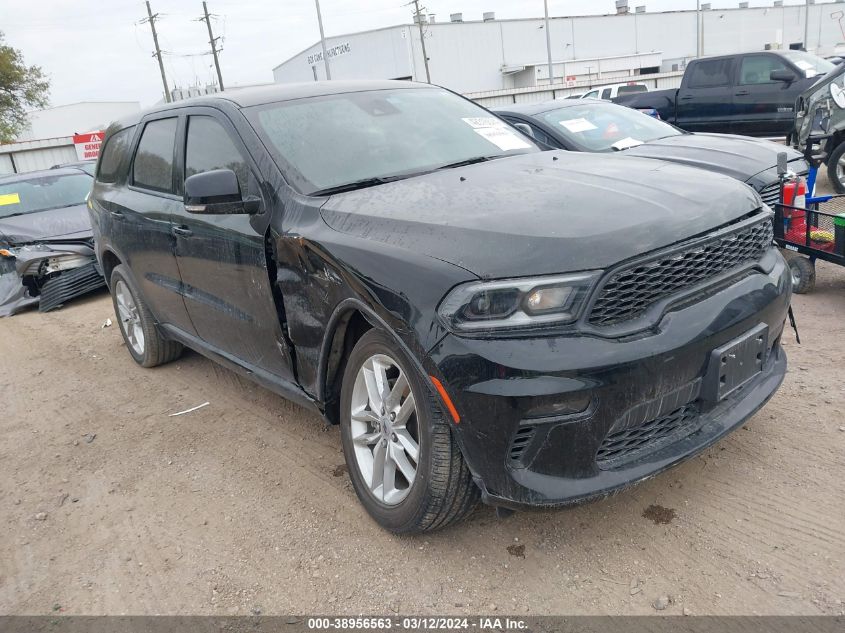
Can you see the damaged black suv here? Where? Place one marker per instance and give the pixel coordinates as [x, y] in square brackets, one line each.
[482, 319]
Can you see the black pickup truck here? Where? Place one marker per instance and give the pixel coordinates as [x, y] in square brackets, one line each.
[751, 93]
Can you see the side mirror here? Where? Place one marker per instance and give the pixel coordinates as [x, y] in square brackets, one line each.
[786, 76]
[217, 192]
[524, 128]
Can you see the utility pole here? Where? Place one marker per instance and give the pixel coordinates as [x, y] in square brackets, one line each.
[549, 44]
[213, 41]
[152, 20]
[698, 28]
[419, 19]
[323, 41]
[807, 25]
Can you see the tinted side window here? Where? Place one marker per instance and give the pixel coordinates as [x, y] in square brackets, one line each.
[210, 147]
[153, 167]
[756, 69]
[710, 74]
[112, 162]
[605, 94]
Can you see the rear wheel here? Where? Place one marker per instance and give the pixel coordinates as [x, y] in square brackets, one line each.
[137, 325]
[405, 466]
[803, 274]
[836, 168]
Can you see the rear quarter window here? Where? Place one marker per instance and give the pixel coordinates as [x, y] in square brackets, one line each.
[113, 162]
[710, 73]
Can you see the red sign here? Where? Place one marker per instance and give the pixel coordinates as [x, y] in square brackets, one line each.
[88, 145]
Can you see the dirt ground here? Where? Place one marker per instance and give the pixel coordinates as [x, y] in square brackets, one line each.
[110, 506]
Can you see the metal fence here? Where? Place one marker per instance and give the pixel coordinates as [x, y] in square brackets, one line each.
[536, 94]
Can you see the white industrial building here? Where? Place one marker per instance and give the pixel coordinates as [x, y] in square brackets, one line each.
[49, 138]
[474, 56]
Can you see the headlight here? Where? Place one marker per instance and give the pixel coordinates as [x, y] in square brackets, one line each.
[515, 303]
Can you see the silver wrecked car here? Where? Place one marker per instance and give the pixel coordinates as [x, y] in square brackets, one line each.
[46, 243]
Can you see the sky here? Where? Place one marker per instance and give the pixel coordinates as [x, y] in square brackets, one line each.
[99, 50]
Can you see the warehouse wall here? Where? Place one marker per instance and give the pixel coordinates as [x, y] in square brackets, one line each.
[381, 54]
[469, 57]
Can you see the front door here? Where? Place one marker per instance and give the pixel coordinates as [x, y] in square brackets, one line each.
[762, 107]
[222, 258]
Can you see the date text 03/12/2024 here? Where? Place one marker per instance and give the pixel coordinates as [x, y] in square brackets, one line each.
[417, 623]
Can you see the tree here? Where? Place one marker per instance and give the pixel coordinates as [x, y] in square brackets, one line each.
[22, 87]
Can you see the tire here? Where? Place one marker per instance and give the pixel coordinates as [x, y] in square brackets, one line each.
[442, 491]
[838, 183]
[138, 324]
[803, 274]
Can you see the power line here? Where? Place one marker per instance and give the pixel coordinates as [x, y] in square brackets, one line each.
[213, 41]
[419, 20]
[152, 20]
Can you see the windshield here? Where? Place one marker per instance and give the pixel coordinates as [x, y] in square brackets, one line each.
[42, 193]
[809, 63]
[326, 142]
[597, 127]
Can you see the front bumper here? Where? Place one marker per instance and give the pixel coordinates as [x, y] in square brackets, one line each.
[656, 385]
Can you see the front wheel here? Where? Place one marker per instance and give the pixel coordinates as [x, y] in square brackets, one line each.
[405, 465]
[836, 168]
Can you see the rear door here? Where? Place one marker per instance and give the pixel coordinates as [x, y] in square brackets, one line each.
[762, 107]
[140, 212]
[705, 100]
[223, 259]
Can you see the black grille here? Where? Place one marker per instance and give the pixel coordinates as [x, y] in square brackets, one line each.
[629, 292]
[631, 443]
[67, 285]
[521, 440]
[771, 194]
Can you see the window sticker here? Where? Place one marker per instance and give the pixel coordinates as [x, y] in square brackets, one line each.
[480, 122]
[502, 137]
[9, 198]
[578, 125]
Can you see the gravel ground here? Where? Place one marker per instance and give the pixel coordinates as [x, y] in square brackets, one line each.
[110, 506]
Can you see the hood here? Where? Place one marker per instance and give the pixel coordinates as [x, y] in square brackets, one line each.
[740, 157]
[54, 225]
[548, 212]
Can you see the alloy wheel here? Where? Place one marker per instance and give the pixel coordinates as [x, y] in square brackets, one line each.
[130, 320]
[384, 429]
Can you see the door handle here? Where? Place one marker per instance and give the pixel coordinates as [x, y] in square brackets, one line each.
[117, 215]
[686, 97]
[182, 231]
[742, 93]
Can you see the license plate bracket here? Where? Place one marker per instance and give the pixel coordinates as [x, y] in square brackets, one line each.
[735, 363]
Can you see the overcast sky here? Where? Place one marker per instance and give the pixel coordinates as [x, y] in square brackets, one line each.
[99, 50]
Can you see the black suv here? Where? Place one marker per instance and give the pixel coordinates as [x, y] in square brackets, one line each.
[480, 317]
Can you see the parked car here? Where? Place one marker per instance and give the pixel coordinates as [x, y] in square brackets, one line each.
[751, 93]
[598, 126]
[46, 243]
[616, 90]
[820, 119]
[480, 317]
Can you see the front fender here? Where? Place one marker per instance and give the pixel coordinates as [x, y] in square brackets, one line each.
[325, 275]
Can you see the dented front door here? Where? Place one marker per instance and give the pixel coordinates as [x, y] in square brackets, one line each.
[222, 258]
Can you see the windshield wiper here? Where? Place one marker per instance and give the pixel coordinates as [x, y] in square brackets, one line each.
[468, 161]
[358, 184]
